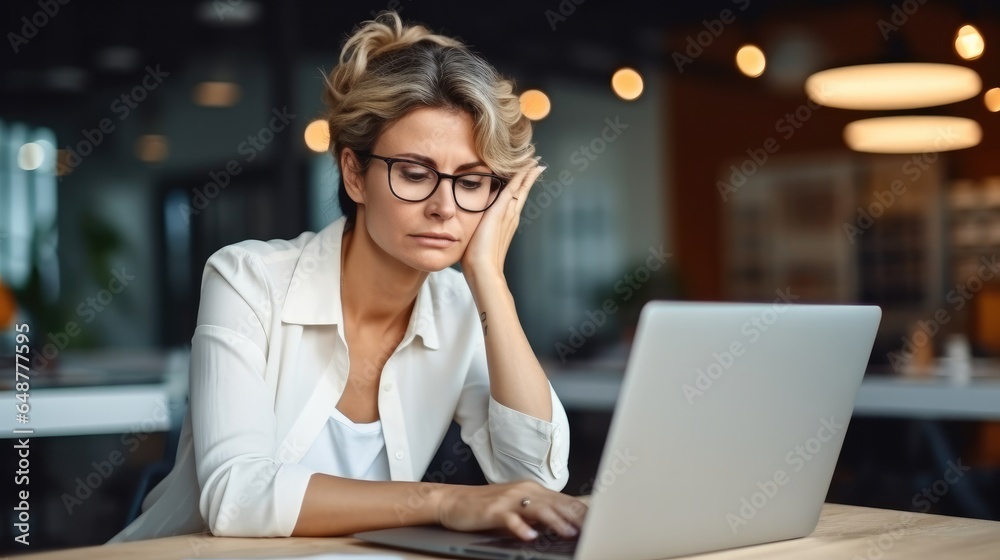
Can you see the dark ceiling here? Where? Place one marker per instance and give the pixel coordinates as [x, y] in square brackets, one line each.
[515, 34]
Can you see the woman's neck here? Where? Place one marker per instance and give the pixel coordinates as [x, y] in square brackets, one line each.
[377, 292]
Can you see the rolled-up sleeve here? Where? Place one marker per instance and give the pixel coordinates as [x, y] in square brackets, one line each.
[509, 444]
[244, 489]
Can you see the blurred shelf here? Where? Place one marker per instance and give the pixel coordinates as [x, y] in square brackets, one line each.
[90, 411]
[934, 397]
[103, 393]
[931, 398]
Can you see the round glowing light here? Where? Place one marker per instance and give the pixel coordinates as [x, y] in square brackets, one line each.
[912, 134]
[903, 85]
[627, 84]
[318, 136]
[151, 148]
[750, 60]
[535, 105]
[992, 99]
[30, 156]
[969, 43]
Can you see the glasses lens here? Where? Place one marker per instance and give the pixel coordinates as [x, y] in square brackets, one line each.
[411, 181]
[414, 182]
[476, 192]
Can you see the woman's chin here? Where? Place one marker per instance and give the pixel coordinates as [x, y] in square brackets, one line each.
[434, 263]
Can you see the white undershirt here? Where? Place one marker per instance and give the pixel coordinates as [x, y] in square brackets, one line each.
[349, 450]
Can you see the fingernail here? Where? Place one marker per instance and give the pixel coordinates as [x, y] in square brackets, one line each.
[531, 533]
[543, 167]
[571, 531]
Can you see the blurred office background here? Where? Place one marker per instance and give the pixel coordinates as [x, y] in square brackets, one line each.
[687, 160]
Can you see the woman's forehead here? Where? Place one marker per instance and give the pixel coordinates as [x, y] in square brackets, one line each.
[442, 135]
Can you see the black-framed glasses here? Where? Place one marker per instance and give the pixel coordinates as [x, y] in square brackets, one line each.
[415, 182]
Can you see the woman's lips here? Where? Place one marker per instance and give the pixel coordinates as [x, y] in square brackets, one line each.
[436, 242]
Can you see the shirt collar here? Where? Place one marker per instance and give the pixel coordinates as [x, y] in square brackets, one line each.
[313, 296]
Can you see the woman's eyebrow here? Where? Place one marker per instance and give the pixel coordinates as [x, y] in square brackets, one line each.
[432, 163]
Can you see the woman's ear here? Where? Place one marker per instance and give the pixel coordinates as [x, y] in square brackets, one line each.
[354, 182]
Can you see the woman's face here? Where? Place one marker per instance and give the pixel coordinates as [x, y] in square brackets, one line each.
[442, 140]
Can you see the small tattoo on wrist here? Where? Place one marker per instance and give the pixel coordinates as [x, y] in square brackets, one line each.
[482, 319]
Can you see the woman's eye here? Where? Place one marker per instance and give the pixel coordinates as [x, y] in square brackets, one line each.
[415, 176]
[467, 184]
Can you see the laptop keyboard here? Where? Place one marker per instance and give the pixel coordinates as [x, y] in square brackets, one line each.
[541, 545]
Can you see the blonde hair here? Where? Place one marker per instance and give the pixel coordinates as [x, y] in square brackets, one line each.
[386, 69]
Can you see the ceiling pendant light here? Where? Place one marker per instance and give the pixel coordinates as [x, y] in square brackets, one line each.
[899, 85]
[912, 134]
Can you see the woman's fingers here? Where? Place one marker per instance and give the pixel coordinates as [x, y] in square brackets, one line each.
[530, 175]
[552, 518]
[554, 510]
[519, 526]
[551, 513]
[519, 191]
[573, 510]
[525, 176]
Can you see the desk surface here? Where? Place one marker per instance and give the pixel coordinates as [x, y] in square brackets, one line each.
[843, 532]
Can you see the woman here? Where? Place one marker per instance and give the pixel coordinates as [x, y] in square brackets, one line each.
[314, 407]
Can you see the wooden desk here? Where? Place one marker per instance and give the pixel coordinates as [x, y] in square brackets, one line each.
[843, 533]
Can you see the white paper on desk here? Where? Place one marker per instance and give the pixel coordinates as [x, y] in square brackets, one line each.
[324, 556]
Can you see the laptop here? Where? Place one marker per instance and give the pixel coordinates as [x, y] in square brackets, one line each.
[725, 434]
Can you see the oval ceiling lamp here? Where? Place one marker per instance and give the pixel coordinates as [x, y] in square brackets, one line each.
[896, 85]
[152, 148]
[216, 94]
[912, 134]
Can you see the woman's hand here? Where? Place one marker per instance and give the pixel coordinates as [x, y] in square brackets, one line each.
[488, 246]
[493, 506]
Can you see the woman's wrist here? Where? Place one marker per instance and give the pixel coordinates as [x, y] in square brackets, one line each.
[482, 281]
[437, 500]
[477, 270]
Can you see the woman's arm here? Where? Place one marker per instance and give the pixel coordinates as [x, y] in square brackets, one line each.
[526, 432]
[244, 490]
[517, 380]
[335, 506]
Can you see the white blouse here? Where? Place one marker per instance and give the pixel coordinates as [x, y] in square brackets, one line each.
[350, 450]
[268, 356]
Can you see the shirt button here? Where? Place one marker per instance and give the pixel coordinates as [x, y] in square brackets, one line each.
[387, 387]
[399, 455]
